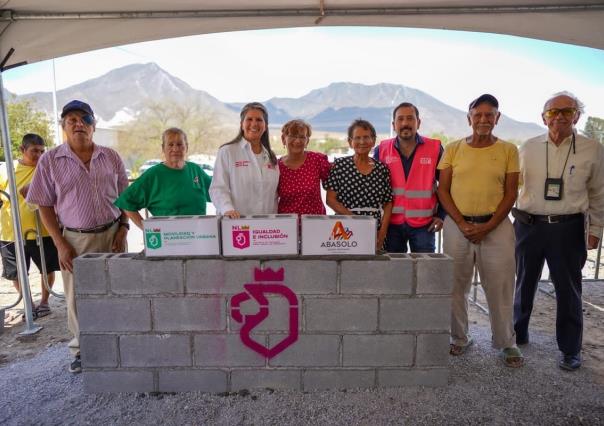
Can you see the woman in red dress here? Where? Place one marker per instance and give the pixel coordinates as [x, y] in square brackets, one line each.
[301, 172]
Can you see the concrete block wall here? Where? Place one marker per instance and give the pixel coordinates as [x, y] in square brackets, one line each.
[166, 325]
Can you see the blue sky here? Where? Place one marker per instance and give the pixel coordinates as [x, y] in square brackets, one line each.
[453, 66]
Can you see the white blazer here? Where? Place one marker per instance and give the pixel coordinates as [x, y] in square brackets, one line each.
[240, 183]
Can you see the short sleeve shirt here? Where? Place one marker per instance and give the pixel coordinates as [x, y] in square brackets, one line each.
[168, 192]
[358, 191]
[299, 190]
[478, 181]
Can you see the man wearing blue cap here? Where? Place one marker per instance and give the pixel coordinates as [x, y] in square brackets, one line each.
[75, 186]
[478, 187]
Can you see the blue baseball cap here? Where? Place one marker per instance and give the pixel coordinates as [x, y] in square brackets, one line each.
[76, 105]
[482, 99]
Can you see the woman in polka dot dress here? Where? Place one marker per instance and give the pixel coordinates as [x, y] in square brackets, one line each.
[300, 172]
[359, 184]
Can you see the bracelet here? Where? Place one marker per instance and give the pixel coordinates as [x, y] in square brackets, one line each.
[125, 225]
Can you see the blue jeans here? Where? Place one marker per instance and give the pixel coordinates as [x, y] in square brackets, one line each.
[420, 239]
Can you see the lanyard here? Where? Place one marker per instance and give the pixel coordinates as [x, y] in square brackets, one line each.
[572, 145]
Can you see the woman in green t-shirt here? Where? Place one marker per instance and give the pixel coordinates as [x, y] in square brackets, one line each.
[173, 188]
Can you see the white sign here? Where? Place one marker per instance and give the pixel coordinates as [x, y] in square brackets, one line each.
[260, 235]
[181, 236]
[338, 235]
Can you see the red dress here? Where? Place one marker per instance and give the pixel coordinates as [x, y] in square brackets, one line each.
[300, 190]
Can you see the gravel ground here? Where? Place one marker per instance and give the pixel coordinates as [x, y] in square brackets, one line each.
[480, 391]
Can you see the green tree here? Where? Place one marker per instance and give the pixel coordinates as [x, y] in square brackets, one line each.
[328, 145]
[140, 139]
[594, 128]
[23, 119]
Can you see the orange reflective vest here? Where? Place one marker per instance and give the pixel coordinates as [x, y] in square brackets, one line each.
[415, 196]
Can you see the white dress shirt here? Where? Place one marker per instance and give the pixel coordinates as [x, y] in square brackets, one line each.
[243, 181]
[583, 190]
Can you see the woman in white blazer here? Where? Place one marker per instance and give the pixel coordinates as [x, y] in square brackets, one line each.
[246, 173]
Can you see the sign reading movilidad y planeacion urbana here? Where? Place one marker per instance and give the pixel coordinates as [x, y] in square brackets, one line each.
[181, 236]
[260, 235]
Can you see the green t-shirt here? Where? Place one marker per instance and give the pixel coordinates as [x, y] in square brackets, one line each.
[168, 192]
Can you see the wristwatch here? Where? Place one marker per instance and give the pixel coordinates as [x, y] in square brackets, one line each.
[125, 225]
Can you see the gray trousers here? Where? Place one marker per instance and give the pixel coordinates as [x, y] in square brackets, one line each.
[82, 244]
[494, 258]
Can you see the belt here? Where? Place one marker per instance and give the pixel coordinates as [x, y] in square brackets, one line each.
[556, 218]
[478, 219]
[96, 229]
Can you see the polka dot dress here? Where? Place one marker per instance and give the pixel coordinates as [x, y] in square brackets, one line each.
[356, 190]
[300, 190]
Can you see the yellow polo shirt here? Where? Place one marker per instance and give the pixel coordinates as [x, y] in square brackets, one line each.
[23, 175]
[478, 181]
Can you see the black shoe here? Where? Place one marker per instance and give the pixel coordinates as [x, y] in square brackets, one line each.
[570, 362]
[76, 366]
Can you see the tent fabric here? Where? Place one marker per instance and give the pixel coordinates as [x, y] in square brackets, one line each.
[40, 30]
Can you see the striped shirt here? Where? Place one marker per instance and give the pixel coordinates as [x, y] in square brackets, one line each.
[82, 198]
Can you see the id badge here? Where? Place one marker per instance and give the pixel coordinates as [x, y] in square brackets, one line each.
[553, 189]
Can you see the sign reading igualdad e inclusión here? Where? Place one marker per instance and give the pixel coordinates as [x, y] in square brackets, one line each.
[260, 235]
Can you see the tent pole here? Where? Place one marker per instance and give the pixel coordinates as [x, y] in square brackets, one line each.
[30, 327]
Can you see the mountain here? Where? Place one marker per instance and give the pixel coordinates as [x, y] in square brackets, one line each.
[333, 108]
[120, 94]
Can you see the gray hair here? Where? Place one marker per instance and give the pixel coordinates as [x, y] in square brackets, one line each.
[173, 131]
[580, 105]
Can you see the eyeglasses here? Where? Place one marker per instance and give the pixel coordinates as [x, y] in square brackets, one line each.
[365, 138]
[566, 112]
[300, 138]
[86, 119]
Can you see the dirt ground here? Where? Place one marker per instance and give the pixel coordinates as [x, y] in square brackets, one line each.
[15, 347]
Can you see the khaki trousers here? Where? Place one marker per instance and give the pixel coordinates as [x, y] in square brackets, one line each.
[494, 258]
[82, 244]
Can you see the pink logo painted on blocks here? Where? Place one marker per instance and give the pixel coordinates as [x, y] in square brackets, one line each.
[241, 237]
[257, 291]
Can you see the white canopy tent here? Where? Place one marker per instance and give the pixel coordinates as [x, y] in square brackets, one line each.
[39, 30]
[35, 30]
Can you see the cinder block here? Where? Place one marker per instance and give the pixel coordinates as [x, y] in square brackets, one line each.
[226, 350]
[432, 350]
[434, 274]
[307, 351]
[218, 276]
[134, 276]
[274, 379]
[394, 276]
[434, 377]
[192, 381]
[189, 314]
[123, 314]
[278, 317]
[118, 381]
[340, 314]
[168, 350]
[338, 379]
[98, 350]
[307, 276]
[90, 273]
[415, 314]
[378, 350]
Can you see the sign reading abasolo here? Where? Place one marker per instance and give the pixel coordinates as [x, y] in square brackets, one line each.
[338, 235]
[181, 236]
[260, 235]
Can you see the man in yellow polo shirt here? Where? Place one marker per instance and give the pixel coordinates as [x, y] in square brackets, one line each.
[478, 187]
[32, 148]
